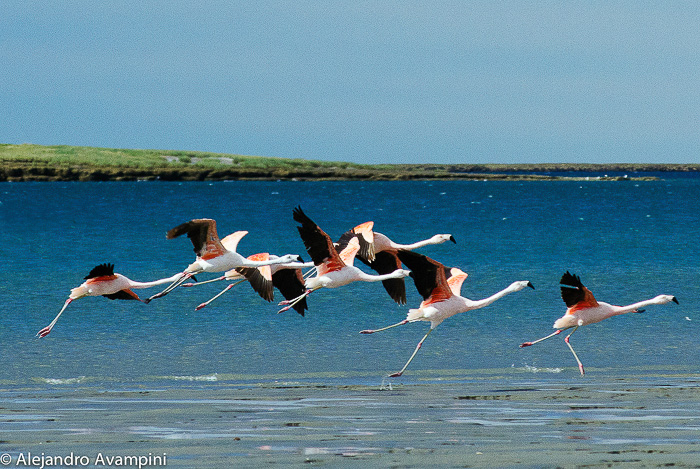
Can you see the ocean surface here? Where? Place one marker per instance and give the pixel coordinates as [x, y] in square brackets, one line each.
[237, 383]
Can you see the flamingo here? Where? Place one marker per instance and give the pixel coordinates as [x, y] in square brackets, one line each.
[287, 278]
[103, 281]
[583, 309]
[334, 265]
[213, 254]
[381, 256]
[440, 287]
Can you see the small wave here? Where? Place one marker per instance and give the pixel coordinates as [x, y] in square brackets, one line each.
[212, 377]
[59, 381]
[534, 369]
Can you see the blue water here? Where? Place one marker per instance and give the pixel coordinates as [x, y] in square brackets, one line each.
[627, 240]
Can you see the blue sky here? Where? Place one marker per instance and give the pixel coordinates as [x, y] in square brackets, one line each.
[367, 82]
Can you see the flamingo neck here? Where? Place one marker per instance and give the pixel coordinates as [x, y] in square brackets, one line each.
[134, 284]
[379, 278]
[487, 301]
[412, 246]
[617, 310]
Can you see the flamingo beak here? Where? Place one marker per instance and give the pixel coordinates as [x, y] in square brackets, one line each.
[675, 300]
[452, 238]
[529, 284]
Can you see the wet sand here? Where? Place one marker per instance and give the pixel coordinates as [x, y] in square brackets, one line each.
[514, 419]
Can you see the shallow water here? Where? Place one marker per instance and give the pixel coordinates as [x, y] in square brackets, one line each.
[124, 377]
[469, 419]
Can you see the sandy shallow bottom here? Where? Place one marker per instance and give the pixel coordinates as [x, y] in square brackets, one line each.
[490, 421]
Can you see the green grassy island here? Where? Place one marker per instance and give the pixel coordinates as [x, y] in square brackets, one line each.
[28, 162]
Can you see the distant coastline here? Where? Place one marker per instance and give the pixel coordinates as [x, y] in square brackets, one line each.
[28, 162]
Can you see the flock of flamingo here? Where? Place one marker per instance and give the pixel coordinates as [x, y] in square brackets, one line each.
[332, 267]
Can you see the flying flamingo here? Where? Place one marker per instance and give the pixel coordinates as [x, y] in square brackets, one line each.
[287, 278]
[440, 287]
[213, 254]
[583, 309]
[381, 256]
[103, 281]
[334, 265]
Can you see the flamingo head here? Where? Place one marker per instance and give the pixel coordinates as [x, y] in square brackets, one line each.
[291, 258]
[441, 238]
[663, 299]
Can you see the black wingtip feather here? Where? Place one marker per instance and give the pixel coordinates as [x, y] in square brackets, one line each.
[572, 290]
[101, 271]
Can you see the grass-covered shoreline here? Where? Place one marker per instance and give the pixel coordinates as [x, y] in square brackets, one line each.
[29, 162]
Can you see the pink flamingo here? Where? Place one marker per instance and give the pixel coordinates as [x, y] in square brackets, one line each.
[583, 309]
[213, 254]
[287, 278]
[380, 253]
[440, 287]
[334, 264]
[102, 281]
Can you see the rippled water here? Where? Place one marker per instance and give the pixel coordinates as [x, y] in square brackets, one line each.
[627, 240]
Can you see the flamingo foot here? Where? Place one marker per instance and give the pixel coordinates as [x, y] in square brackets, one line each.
[580, 368]
[203, 305]
[286, 308]
[44, 332]
[525, 344]
[368, 331]
[395, 375]
[188, 284]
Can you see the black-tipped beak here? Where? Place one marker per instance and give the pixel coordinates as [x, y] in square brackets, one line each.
[411, 275]
[300, 259]
[452, 238]
[529, 284]
[675, 300]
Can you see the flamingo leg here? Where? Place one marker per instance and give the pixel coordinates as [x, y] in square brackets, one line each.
[372, 331]
[194, 284]
[527, 344]
[310, 272]
[420, 344]
[230, 286]
[183, 277]
[566, 339]
[290, 303]
[45, 331]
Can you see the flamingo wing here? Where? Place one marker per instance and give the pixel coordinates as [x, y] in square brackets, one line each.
[260, 278]
[230, 242]
[290, 282]
[385, 262]
[344, 240]
[365, 236]
[125, 294]
[102, 270]
[317, 243]
[202, 233]
[455, 278]
[429, 275]
[575, 295]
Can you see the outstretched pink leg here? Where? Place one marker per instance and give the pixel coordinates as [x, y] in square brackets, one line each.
[184, 276]
[566, 339]
[420, 344]
[372, 331]
[206, 303]
[527, 344]
[290, 303]
[45, 331]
